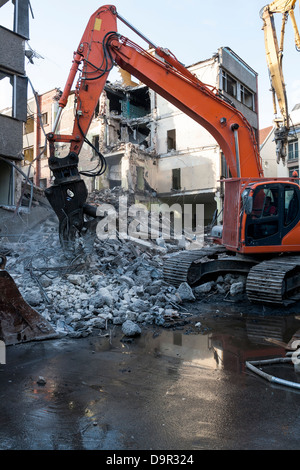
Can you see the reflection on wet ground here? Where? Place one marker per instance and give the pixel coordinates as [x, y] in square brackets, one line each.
[184, 387]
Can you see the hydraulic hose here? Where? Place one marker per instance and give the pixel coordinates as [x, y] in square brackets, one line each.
[252, 366]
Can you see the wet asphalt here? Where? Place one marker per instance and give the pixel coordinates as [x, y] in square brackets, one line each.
[177, 387]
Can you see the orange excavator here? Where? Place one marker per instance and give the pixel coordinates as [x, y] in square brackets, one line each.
[252, 239]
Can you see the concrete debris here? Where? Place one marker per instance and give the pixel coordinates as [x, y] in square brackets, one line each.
[227, 285]
[185, 292]
[236, 288]
[110, 282]
[203, 288]
[130, 328]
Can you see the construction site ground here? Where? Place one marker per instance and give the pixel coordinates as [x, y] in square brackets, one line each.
[137, 364]
[181, 387]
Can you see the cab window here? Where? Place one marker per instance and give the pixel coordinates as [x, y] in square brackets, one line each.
[265, 203]
[291, 205]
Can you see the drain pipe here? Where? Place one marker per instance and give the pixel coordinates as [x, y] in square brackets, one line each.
[252, 366]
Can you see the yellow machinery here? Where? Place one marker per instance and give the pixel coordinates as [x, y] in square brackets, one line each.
[274, 54]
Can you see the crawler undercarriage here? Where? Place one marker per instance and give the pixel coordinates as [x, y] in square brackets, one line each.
[272, 281]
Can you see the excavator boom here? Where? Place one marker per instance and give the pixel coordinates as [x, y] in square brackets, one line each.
[274, 55]
[101, 47]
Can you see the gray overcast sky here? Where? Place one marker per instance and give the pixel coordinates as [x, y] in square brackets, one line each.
[192, 29]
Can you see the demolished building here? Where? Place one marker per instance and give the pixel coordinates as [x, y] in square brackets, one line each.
[151, 147]
[191, 164]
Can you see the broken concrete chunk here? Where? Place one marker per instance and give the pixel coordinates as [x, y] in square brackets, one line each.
[236, 288]
[76, 279]
[131, 328]
[46, 282]
[118, 320]
[33, 298]
[185, 292]
[139, 304]
[220, 289]
[128, 280]
[229, 278]
[97, 322]
[103, 297]
[152, 289]
[145, 317]
[203, 288]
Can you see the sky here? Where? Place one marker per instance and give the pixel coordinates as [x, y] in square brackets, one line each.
[192, 29]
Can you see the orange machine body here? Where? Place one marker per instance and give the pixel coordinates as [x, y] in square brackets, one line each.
[248, 225]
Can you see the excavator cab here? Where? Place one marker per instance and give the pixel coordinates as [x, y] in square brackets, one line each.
[267, 215]
[275, 213]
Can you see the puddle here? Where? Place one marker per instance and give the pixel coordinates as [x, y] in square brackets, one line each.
[223, 342]
[181, 387]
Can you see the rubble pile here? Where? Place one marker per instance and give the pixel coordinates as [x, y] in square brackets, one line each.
[113, 282]
[228, 285]
[111, 196]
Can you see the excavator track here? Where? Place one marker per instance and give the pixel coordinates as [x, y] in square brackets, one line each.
[194, 266]
[177, 266]
[275, 281]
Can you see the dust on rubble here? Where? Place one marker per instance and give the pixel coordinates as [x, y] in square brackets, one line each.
[106, 283]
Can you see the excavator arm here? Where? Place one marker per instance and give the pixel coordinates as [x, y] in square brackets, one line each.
[274, 55]
[102, 47]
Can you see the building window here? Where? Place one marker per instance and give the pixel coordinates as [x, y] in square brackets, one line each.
[229, 84]
[95, 142]
[247, 97]
[6, 184]
[45, 119]
[28, 154]
[171, 140]
[293, 150]
[13, 96]
[6, 93]
[29, 125]
[176, 179]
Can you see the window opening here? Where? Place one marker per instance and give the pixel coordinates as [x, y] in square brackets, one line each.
[171, 139]
[176, 179]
